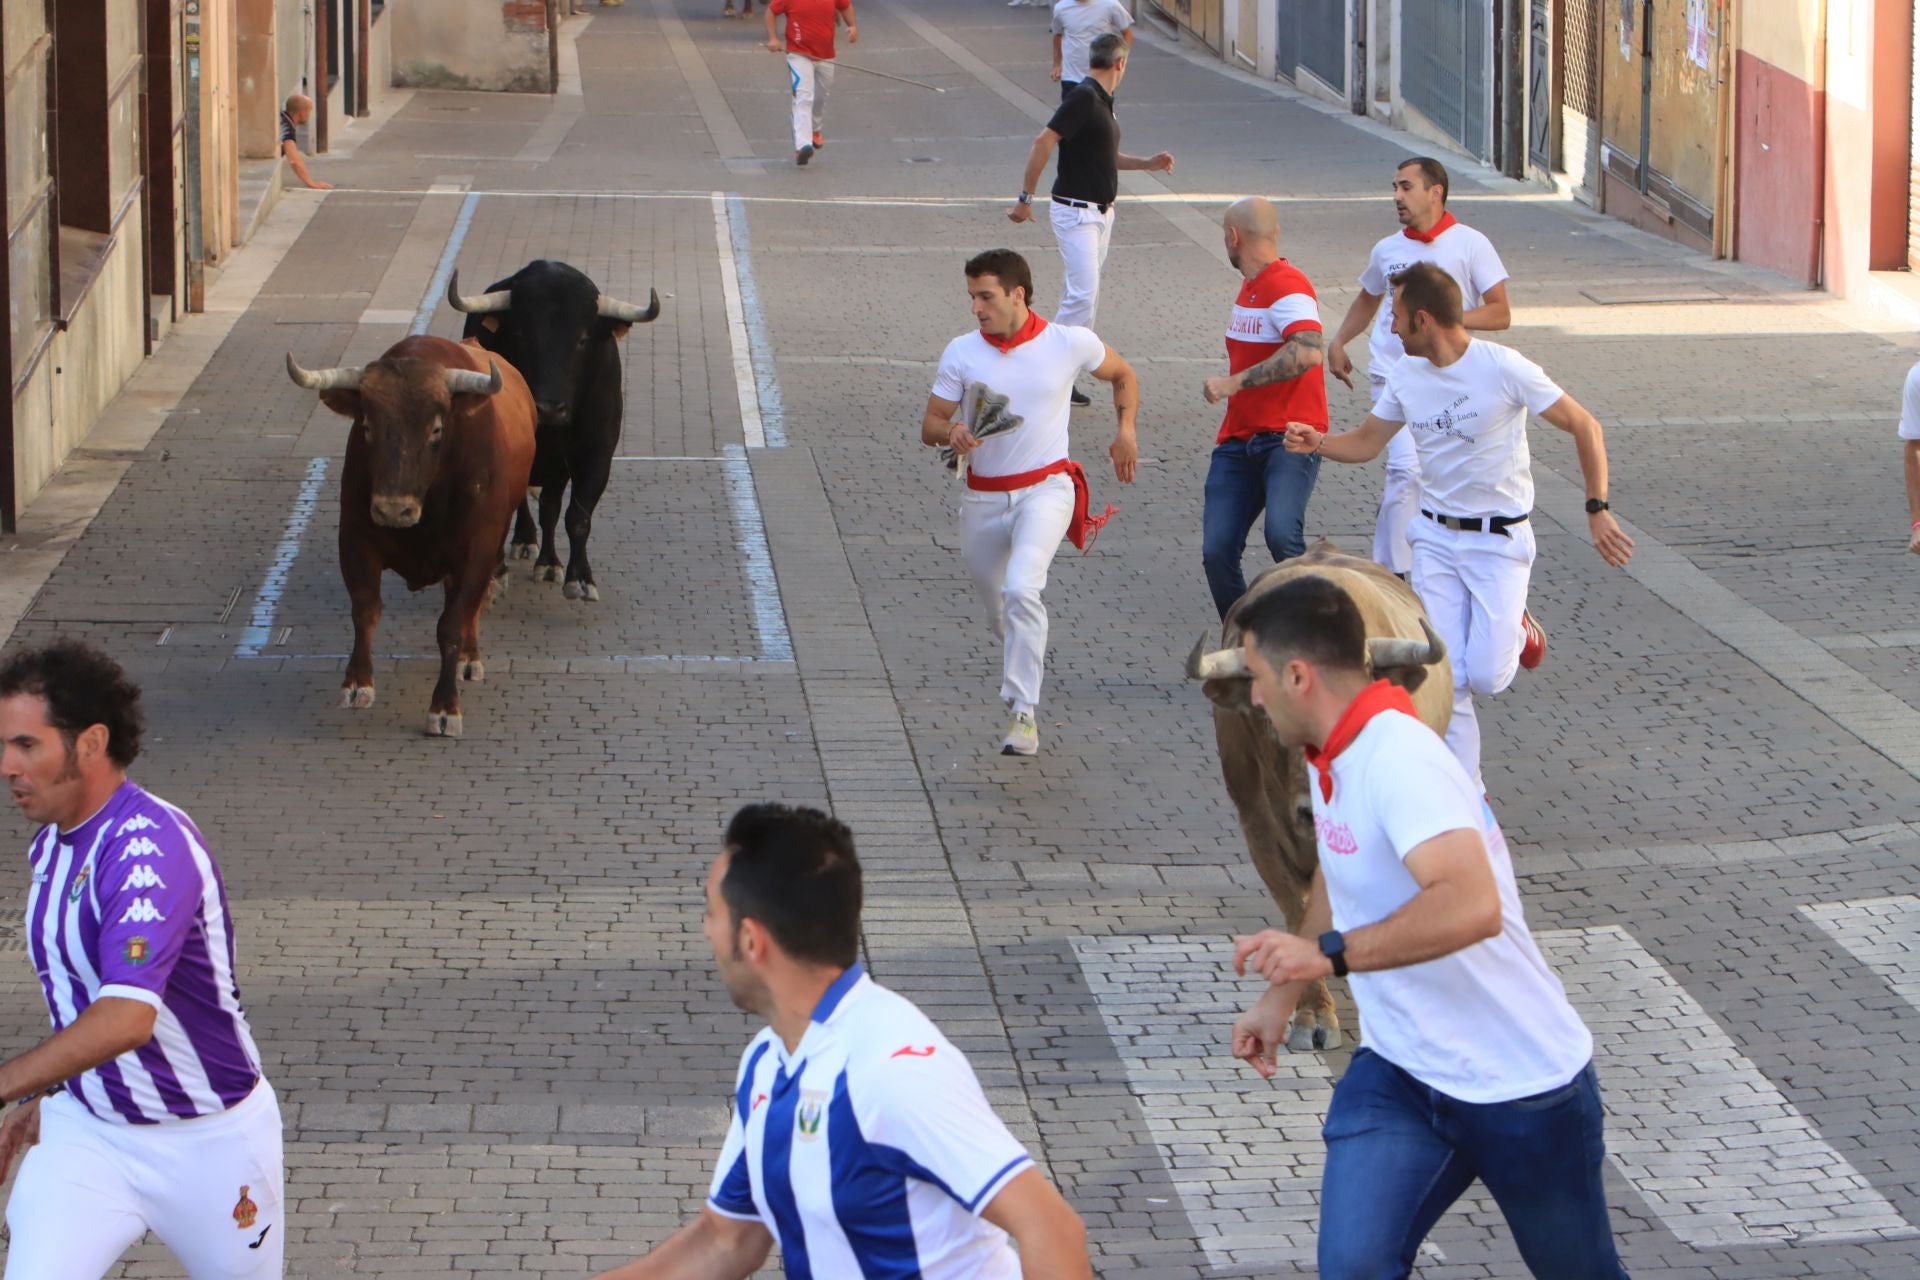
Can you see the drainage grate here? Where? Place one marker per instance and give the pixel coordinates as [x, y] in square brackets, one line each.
[1624, 294]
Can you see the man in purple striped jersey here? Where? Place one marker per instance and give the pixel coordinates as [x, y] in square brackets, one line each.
[145, 1110]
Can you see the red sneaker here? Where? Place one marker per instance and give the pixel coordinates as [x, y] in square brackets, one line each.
[818, 142]
[1533, 647]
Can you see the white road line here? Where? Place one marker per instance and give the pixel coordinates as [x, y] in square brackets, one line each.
[266, 601]
[1881, 933]
[750, 536]
[437, 287]
[961, 202]
[1698, 1131]
[1706, 1139]
[743, 379]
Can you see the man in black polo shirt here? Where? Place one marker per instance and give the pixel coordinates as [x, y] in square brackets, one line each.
[1088, 179]
[298, 110]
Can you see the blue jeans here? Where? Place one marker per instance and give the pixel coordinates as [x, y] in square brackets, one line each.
[1398, 1153]
[1246, 476]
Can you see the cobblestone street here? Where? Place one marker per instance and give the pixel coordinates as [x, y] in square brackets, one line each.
[475, 967]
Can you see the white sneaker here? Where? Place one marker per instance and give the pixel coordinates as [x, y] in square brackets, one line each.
[1023, 736]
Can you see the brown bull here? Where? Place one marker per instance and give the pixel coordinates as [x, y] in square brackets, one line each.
[437, 463]
[1267, 781]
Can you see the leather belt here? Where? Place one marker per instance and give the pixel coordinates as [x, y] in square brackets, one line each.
[1474, 524]
[1082, 204]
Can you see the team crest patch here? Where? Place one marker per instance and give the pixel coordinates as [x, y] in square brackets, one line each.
[80, 883]
[244, 1210]
[139, 951]
[808, 1117]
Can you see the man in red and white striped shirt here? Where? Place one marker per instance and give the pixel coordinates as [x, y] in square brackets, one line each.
[1023, 492]
[1274, 356]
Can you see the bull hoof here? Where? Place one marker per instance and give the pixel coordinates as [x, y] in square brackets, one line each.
[1308, 1038]
[474, 670]
[590, 593]
[356, 697]
[524, 550]
[443, 724]
[548, 573]
[577, 590]
[495, 590]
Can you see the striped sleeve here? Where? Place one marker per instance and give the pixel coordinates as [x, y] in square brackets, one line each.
[149, 890]
[731, 1195]
[1293, 312]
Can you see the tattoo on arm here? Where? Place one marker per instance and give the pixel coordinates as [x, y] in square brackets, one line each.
[1290, 361]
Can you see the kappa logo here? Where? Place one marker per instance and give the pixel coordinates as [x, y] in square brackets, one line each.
[138, 822]
[807, 1117]
[142, 847]
[908, 1051]
[1337, 837]
[143, 877]
[142, 911]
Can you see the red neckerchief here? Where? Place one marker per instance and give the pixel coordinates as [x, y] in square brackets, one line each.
[1381, 695]
[1428, 237]
[1028, 332]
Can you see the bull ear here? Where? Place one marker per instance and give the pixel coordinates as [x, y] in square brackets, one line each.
[343, 402]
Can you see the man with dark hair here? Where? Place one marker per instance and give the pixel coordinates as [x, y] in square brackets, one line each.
[1428, 233]
[1024, 493]
[1465, 402]
[146, 1108]
[1088, 135]
[860, 1137]
[1472, 1063]
[1274, 377]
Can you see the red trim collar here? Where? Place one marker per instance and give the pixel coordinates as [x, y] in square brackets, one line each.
[1381, 695]
[1028, 332]
[1428, 237]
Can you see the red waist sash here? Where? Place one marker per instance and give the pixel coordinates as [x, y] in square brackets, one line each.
[1085, 526]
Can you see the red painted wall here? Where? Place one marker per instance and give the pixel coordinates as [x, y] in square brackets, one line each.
[1892, 105]
[1778, 160]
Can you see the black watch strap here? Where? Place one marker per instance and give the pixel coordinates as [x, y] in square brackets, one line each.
[1596, 505]
[1333, 945]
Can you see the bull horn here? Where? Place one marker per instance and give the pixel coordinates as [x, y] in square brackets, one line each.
[467, 382]
[1220, 664]
[478, 304]
[1385, 652]
[626, 312]
[336, 379]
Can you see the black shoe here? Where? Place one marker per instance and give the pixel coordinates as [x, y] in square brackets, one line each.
[1080, 399]
[803, 155]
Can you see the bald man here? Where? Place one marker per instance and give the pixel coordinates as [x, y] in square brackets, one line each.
[298, 110]
[1273, 358]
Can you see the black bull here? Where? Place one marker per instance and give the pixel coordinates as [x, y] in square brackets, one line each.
[554, 325]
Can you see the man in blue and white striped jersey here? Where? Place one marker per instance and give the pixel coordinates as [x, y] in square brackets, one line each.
[146, 1108]
[860, 1138]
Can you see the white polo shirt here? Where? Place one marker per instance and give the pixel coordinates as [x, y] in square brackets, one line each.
[1469, 423]
[1910, 406]
[1490, 1023]
[1036, 375]
[1078, 23]
[870, 1149]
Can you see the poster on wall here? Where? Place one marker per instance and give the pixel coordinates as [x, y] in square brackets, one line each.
[1697, 35]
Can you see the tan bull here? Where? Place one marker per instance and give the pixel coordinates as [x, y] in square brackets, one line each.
[1268, 782]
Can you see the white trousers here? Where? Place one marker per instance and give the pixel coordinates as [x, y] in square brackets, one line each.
[811, 81]
[1474, 587]
[1399, 497]
[212, 1189]
[1084, 235]
[1008, 541]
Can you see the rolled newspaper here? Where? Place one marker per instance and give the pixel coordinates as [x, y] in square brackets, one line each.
[986, 413]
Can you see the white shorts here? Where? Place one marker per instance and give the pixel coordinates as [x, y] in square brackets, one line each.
[212, 1189]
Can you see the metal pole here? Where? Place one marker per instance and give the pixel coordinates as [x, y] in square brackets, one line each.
[195, 184]
[7, 524]
[322, 10]
[553, 46]
[363, 61]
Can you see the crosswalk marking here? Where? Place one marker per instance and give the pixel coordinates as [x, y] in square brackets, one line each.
[1698, 1131]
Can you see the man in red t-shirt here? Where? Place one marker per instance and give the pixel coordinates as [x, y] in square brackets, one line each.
[809, 50]
[1273, 352]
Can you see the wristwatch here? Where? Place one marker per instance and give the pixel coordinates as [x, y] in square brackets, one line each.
[1333, 945]
[1596, 505]
[1026, 197]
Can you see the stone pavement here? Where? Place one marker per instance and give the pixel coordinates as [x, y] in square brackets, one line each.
[475, 966]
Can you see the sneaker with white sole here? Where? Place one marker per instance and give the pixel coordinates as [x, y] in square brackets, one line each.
[1533, 641]
[1023, 736]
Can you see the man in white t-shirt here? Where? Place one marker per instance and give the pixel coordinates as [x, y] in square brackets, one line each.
[1024, 494]
[860, 1137]
[1465, 401]
[1428, 233]
[1076, 25]
[1472, 1063]
[1910, 433]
